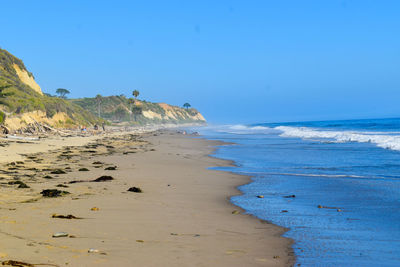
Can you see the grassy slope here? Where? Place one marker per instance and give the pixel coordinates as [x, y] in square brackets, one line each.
[25, 99]
[116, 108]
[81, 111]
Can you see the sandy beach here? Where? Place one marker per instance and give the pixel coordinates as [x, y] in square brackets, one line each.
[182, 217]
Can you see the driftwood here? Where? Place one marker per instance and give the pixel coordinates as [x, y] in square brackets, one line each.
[5, 129]
[15, 137]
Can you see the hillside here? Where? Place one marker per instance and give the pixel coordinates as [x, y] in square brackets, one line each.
[122, 109]
[23, 105]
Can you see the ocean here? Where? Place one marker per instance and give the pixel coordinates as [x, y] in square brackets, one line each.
[334, 184]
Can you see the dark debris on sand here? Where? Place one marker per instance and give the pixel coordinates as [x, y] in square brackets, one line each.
[53, 193]
[135, 189]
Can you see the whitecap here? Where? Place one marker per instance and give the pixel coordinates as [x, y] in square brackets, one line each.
[381, 139]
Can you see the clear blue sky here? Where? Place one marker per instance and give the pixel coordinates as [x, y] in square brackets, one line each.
[236, 61]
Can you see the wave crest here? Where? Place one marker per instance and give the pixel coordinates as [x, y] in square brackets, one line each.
[243, 129]
[380, 139]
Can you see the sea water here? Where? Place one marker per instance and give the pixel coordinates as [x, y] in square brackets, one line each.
[345, 176]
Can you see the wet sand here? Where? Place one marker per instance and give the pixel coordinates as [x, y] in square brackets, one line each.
[182, 217]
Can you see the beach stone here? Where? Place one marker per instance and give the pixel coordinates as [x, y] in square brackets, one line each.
[97, 163]
[60, 234]
[135, 189]
[235, 212]
[83, 169]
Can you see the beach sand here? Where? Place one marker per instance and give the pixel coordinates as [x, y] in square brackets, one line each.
[183, 217]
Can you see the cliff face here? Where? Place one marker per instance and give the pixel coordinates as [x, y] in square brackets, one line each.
[23, 105]
[13, 70]
[122, 109]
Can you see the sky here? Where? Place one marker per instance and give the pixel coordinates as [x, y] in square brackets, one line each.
[235, 61]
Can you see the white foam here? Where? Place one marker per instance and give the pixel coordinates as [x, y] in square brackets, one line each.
[312, 175]
[380, 139]
[243, 129]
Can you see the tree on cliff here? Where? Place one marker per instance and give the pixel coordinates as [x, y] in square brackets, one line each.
[99, 98]
[130, 101]
[186, 105]
[120, 112]
[135, 93]
[62, 92]
[136, 110]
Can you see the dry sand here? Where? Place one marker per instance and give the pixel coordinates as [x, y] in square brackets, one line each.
[182, 218]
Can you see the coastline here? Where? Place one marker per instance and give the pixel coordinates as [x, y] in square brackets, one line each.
[291, 259]
[184, 215]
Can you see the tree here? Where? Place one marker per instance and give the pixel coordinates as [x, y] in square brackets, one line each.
[186, 105]
[135, 93]
[136, 110]
[120, 112]
[99, 98]
[62, 92]
[130, 101]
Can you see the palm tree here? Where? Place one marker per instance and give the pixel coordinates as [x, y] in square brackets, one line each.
[99, 98]
[135, 93]
[62, 92]
[186, 105]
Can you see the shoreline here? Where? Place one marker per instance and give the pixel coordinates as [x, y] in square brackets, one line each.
[184, 215]
[248, 180]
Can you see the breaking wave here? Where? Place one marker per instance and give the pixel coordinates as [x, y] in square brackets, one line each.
[381, 139]
[243, 129]
[387, 140]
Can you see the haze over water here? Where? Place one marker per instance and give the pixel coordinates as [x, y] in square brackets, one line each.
[351, 166]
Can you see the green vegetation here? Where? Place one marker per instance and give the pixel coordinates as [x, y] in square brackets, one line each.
[137, 111]
[186, 105]
[122, 109]
[62, 92]
[131, 102]
[17, 97]
[135, 93]
[2, 117]
[98, 101]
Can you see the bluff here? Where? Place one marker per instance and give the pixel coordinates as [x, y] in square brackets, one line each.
[122, 109]
[24, 106]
